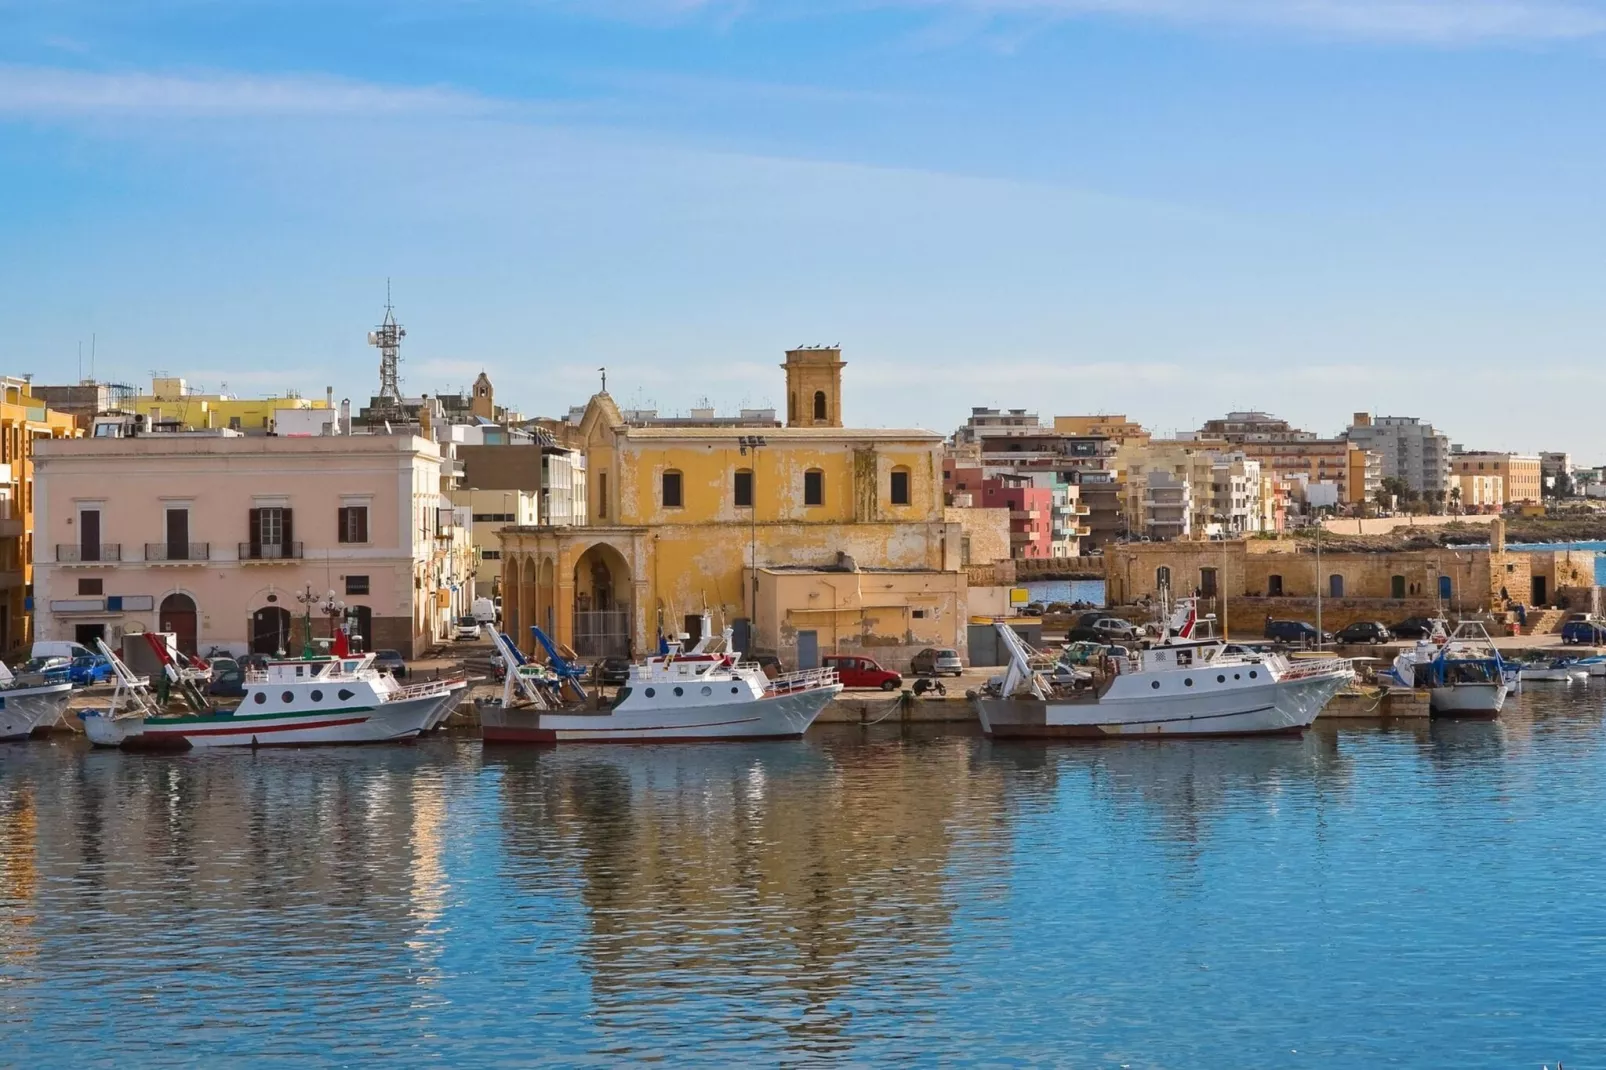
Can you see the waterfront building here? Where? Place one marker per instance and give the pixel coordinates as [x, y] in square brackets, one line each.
[1220, 490]
[1288, 453]
[488, 512]
[1046, 513]
[1556, 469]
[1410, 450]
[1521, 475]
[1479, 492]
[691, 516]
[212, 534]
[25, 421]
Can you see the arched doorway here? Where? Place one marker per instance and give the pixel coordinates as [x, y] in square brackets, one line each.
[270, 630]
[177, 615]
[512, 591]
[602, 595]
[525, 639]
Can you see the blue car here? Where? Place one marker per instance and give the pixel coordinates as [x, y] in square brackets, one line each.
[1585, 630]
[90, 669]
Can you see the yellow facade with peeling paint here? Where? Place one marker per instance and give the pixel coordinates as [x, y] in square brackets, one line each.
[681, 515]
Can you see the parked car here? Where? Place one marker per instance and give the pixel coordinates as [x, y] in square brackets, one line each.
[1414, 628]
[1102, 628]
[1364, 631]
[466, 630]
[1584, 628]
[613, 671]
[1295, 631]
[392, 661]
[934, 661]
[228, 679]
[89, 669]
[856, 671]
[45, 670]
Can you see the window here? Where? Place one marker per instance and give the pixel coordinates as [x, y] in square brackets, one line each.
[270, 527]
[602, 495]
[1335, 586]
[814, 487]
[490, 555]
[1274, 586]
[819, 405]
[356, 584]
[742, 488]
[1162, 576]
[900, 486]
[493, 518]
[354, 523]
[234, 423]
[1207, 582]
[90, 587]
[918, 614]
[672, 499]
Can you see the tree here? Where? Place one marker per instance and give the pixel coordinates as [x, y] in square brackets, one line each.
[1455, 498]
[1564, 485]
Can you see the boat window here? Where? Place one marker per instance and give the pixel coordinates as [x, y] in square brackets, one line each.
[288, 696]
[1188, 682]
[679, 692]
[1155, 685]
[260, 697]
[1221, 679]
[317, 696]
[707, 690]
[344, 694]
[1253, 674]
[649, 692]
[734, 690]
[1237, 676]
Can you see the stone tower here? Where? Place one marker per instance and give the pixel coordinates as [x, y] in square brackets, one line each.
[814, 387]
[484, 402]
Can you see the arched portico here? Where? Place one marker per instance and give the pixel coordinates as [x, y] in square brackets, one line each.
[603, 602]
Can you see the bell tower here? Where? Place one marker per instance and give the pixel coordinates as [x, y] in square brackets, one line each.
[814, 387]
[483, 403]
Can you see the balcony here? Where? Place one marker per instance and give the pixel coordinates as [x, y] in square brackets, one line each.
[177, 553]
[269, 553]
[89, 554]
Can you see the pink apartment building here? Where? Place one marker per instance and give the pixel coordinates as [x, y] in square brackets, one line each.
[1031, 508]
[212, 535]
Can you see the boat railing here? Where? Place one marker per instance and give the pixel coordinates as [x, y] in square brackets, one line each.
[1299, 668]
[804, 680]
[423, 690]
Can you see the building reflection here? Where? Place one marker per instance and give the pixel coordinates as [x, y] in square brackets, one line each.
[789, 876]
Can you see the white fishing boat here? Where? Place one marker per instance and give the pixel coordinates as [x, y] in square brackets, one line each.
[1186, 685]
[301, 702]
[456, 692]
[26, 706]
[1596, 666]
[1560, 671]
[1462, 672]
[676, 697]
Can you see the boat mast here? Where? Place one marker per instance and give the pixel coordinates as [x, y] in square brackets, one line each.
[1318, 580]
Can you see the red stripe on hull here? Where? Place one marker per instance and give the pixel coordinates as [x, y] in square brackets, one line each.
[247, 730]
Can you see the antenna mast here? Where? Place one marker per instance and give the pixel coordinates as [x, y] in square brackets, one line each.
[387, 339]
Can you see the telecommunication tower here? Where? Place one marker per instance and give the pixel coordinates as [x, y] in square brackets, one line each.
[387, 338]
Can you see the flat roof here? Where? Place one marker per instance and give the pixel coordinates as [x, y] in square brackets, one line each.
[801, 434]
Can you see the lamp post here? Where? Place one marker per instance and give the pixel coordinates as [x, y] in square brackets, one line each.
[754, 443]
[327, 604]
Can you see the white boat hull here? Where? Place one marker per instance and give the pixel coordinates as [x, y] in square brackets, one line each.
[23, 709]
[1467, 700]
[1263, 709]
[456, 691]
[396, 720]
[1550, 676]
[784, 716]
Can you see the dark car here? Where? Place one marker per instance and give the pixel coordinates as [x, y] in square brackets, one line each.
[613, 671]
[1364, 631]
[1295, 631]
[1584, 628]
[228, 678]
[1414, 628]
[392, 661]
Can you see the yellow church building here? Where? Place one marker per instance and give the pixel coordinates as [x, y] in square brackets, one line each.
[831, 539]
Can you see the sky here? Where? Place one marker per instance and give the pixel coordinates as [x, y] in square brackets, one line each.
[1164, 208]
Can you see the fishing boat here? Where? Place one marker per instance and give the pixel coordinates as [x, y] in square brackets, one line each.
[26, 705]
[305, 701]
[1463, 672]
[1596, 665]
[1557, 671]
[680, 695]
[1188, 684]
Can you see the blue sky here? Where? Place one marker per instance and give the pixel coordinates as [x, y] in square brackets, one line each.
[1168, 208]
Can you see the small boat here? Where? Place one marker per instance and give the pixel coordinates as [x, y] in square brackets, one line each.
[1463, 672]
[678, 696]
[1188, 684]
[1559, 671]
[308, 700]
[26, 705]
[1596, 665]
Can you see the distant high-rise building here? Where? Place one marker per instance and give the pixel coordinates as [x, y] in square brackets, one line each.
[1411, 450]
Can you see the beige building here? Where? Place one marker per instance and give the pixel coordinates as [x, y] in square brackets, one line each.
[214, 535]
[489, 511]
[1479, 493]
[1182, 488]
[1521, 475]
[1117, 429]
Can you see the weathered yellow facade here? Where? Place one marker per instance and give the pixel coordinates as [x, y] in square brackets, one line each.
[680, 515]
[23, 418]
[170, 402]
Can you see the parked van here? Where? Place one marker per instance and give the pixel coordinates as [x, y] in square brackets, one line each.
[485, 611]
[60, 648]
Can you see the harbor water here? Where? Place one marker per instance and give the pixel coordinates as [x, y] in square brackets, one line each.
[1428, 896]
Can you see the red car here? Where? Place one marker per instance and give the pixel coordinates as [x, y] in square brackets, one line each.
[855, 671]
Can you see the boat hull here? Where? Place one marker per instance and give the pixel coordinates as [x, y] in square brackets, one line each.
[1467, 700]
[1278, 708]
[456, 691]
[24, 709]
[1548, 676]
[785, 716]
[401, 719]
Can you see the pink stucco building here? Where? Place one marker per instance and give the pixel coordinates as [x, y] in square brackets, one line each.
[212, 535]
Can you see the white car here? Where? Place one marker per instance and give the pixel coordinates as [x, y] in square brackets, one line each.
[467, 630]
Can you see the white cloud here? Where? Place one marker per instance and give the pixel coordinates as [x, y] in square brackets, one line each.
[59, 91]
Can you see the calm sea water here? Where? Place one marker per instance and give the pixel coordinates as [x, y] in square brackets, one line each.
[1432, 896]
[1046, 591]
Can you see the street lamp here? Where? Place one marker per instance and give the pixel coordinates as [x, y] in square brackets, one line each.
[327, 604]
[754, 443]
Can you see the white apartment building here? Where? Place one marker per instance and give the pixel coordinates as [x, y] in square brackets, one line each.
[1411, 450]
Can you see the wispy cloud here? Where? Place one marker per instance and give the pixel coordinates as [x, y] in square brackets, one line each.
[59, 91]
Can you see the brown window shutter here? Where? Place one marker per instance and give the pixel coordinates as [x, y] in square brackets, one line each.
[289, 535]
[256, 533]
[362, 523]
[344, 524]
